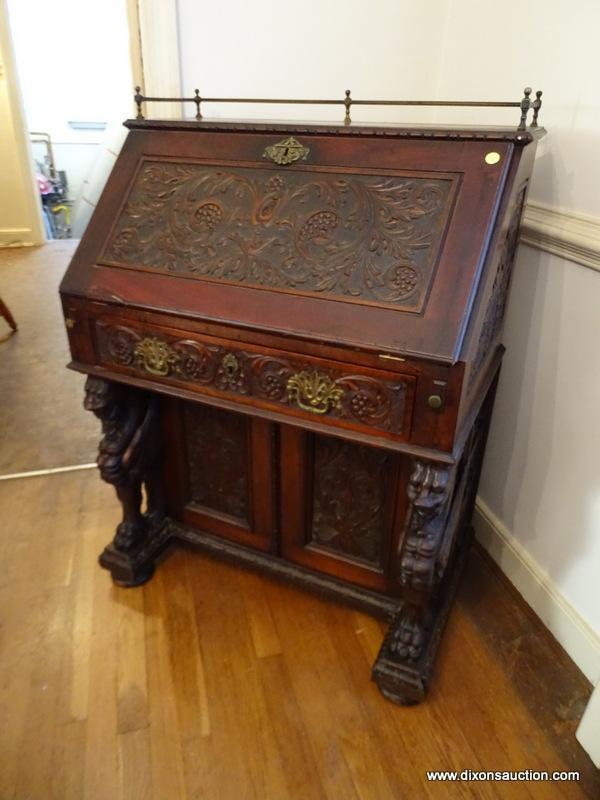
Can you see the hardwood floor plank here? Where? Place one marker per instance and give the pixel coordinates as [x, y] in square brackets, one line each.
[166, 760]
[292, 738]
[265, 638]
[318, 683]
[34, 760]
[407, 748]
[134, 765]
[102, 777]
[132, 691]
[67, 776]
[241, 752]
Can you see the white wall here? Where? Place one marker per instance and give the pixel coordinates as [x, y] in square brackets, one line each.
[493, 50]
[20, 217]
[73, 63]
[317, 49]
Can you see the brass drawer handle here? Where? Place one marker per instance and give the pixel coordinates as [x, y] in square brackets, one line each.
[312, 391]
[155, 356]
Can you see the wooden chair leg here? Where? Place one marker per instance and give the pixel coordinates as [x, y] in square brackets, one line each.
[7, 315]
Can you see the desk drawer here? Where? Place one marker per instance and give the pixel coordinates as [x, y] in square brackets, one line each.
[297, 385]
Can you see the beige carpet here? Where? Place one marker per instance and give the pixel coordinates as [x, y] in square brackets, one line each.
[42, 421]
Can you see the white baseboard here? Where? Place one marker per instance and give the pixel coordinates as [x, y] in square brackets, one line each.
[588, 732]
[579, 640]
[17, 237]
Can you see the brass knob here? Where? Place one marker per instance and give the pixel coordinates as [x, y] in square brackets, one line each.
[434, 401]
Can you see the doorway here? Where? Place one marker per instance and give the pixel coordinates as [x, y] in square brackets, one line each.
[73, 63]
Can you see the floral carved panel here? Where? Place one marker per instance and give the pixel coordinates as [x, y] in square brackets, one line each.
[362, 238]
[350, 499]
[217, 457]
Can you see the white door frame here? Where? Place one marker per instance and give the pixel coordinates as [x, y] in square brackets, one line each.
[154, 48]
[154, 57]
[32, 231]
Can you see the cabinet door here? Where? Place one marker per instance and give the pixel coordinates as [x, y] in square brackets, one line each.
[219, 472]
[341, 507]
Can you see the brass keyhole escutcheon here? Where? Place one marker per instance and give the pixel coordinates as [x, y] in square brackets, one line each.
[231, 366]
[286, 152]
[434, 401]
[492, 158]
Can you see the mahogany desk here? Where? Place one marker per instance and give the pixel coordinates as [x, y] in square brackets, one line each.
[292, 338]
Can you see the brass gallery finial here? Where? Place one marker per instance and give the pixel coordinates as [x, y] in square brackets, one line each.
[139, 99]
[347, 103]
[525, 106]
[197, 100]
[537, 104]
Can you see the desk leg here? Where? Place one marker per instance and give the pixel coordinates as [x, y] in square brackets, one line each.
[400, 667]
[431, 554]
[128, 458]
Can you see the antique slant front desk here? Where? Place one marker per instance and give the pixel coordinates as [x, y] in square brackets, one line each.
[291, 334]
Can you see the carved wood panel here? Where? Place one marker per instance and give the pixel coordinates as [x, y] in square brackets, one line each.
[371, 238]
[216, 444]
[277, 380]
[494, 313]
[350, 500]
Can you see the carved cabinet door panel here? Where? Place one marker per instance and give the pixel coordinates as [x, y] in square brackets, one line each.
[342, 507]
[219, 472]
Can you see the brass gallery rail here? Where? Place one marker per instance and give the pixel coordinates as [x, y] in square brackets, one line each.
[525, 104]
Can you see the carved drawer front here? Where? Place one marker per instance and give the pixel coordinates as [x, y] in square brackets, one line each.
[358, 398]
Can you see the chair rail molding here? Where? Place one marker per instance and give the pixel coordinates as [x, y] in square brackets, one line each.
[573, 236]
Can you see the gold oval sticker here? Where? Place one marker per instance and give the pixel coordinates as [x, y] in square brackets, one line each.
[492, 158]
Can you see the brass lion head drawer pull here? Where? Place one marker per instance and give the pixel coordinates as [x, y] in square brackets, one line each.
[286, 152]
[155, 356]
[312, 391]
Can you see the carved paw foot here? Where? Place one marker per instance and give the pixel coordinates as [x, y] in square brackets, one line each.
[129, 536]
[134, 566]
[407, 639]
[154, 521]
[402, 667]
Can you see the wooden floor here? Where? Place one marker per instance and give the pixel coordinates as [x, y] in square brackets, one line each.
[212, 682]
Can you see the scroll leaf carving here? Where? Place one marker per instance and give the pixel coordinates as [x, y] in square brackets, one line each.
[359, 237]
[494, 313]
